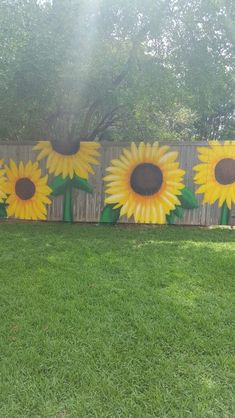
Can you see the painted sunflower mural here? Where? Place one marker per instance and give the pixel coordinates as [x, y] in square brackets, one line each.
[71, 164]
[2, 182]
[146, 182]
[216, 176]
[3, 213]
[68, 159]
[27, 191]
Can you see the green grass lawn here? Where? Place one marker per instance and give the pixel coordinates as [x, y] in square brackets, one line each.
[113, 322]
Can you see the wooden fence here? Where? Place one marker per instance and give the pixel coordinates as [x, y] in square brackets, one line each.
[88, 207]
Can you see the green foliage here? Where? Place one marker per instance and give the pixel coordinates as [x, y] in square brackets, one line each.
[59, 185]
[116, 70]
[110, 215]
[188, 199]
[81, 184]
[3, 211]
[170, 218]
[179, 212]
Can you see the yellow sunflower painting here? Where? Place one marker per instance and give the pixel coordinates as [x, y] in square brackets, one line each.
[2, 182]
[145, 182]
[216, 175]
[27, 191]
[69, 159]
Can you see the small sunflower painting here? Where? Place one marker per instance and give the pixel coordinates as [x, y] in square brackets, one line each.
[71, 165]
[27, 191]
[146, 182]
[216, 176]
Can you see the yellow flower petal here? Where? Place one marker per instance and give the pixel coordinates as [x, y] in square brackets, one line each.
[213, 187]
[23, 200]
[146, 197]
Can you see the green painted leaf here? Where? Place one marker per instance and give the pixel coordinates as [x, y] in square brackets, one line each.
[3, 210]
[170, 218]
[188, 199]
[179, 212]
[110, 215]
[81, 184]
[59, 185]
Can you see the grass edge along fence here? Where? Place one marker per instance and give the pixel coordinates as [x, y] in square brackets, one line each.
[150, 183]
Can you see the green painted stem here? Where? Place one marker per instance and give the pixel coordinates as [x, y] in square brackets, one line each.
[170, 219]
[68, 204]
[225, 213]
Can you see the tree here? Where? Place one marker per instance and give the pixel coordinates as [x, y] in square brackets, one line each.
[119, 70]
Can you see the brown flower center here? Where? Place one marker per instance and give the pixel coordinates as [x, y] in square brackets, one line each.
[225, 171]
[65, 148]
[146, 179]
[25, 188]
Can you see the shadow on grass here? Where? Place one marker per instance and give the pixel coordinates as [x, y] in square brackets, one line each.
[153, 233]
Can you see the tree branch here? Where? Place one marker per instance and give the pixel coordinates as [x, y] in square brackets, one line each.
[84, 134]
[108, 120]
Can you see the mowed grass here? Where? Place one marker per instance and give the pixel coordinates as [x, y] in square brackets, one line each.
[113, 322]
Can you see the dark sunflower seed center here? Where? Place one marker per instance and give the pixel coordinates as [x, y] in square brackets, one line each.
[225, 171]
[65, 148]
[146, 179]
[25, 188]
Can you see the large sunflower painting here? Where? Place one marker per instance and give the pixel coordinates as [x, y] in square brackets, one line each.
[216, 176]
[146, 182]
[71, 164]
[27, 191]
